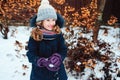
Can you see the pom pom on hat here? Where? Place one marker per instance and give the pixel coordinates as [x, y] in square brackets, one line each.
[45, 11]
[44, 2]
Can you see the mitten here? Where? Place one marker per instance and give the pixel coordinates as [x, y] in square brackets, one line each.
[42, 62]
[55, 59]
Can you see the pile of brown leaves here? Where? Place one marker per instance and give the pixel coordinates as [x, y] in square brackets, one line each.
[87, 54]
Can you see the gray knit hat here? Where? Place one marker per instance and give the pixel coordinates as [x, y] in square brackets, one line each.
[45, 11]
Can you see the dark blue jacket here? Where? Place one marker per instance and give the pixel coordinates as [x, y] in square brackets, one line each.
[45, 48]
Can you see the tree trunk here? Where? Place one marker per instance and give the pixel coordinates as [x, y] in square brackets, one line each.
[96, 32]
[112, 7]
[4, 30]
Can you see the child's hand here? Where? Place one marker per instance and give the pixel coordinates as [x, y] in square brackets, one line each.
[42, 62]
[55, 59]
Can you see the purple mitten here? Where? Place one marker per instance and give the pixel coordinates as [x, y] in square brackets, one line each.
[42, 62]
[55, 59]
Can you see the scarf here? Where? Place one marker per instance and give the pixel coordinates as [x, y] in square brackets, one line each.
[48, 34]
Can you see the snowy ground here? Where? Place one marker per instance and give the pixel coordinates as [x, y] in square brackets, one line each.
[14, 64]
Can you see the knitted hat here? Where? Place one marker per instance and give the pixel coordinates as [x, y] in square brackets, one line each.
[45, 11]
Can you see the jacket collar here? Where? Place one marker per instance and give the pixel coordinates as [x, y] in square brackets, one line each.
[50, 37]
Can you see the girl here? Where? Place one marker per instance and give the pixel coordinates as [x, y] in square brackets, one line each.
[46, 47]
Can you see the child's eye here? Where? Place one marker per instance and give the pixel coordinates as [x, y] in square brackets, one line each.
[53, 20]
[48, 20]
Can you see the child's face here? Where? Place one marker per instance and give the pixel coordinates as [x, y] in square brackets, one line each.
[49, 24]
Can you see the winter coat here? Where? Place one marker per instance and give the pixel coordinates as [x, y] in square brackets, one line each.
[49, 45]
[45, 48]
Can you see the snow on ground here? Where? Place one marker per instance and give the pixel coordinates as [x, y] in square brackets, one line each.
[14, 64]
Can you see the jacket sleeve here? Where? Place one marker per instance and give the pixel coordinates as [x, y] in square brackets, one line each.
[32, 51]
[62, 48]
